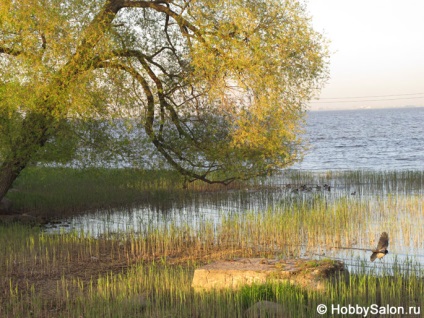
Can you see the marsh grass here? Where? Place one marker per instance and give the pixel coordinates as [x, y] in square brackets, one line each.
[51, 191]
[148, 273]
[66, 191]
[130, 286]
[367, 182]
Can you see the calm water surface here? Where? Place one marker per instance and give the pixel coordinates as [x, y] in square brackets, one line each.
[384, 139]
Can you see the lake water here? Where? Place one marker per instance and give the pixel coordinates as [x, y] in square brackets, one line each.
[368, 140]
[383, 139]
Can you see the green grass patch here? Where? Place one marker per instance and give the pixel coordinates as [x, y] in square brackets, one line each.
[66, 190]
[61, 192]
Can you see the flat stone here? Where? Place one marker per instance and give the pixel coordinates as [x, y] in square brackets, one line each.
[308, 274]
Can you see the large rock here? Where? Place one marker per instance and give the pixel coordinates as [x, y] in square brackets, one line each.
[309, 274]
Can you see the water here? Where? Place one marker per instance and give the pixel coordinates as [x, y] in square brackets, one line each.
[384, 139]
[369, 140]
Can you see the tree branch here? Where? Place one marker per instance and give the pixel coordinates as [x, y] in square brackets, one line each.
[160, 146]
[162, 101]
[157, 5]
[160, 89]
[136, 53]
[147, 91]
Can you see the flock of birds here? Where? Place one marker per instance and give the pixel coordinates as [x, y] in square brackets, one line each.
[309, 188]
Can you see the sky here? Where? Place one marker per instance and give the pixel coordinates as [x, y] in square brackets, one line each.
[377, 52]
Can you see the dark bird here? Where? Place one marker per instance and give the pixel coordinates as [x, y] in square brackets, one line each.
[381, 249]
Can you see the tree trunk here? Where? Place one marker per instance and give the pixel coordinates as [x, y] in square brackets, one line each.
[8, 174]
[33, 136]
[38, 127]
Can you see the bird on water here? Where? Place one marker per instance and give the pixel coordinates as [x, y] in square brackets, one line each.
[381, 249]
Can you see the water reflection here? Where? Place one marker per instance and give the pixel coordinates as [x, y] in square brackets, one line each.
[386, 199]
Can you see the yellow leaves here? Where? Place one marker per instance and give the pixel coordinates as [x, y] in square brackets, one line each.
[4, 10]
[266, 44]
[223, 81]
[268, 132]
[264, 60]
[45, 35]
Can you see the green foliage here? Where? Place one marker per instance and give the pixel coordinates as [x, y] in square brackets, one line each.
[218, 88]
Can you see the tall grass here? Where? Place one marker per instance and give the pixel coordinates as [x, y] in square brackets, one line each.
[64, 191]
[148, 273]
[367, 181]
[70, 275]
[60, 190]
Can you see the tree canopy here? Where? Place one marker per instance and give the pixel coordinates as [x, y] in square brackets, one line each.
[219, 86]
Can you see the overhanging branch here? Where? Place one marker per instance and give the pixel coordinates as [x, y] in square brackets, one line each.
[163, 148]
[183, 23]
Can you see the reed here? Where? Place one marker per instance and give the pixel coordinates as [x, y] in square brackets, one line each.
[148, 272]
[63, 191]
[163, 290]
[74, 274]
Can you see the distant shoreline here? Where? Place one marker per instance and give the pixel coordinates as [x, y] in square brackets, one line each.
[362, 108]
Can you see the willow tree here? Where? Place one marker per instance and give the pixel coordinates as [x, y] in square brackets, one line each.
[219, 86]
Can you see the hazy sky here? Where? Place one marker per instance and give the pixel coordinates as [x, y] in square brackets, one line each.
[377, 50]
